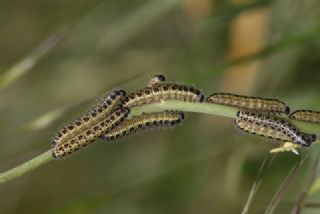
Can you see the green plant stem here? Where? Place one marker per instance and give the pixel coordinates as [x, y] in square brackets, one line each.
[205, 108]
[26, 167]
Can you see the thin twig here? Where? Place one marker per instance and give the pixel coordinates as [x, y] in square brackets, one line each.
[26, 167]
[264, 165]
[284, 186]
[299, 203]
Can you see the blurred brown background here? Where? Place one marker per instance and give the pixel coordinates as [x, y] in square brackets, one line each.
[58, 57]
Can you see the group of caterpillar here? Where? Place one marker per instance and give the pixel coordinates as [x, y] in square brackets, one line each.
[108, 120]
[88, 127]
[258, 116]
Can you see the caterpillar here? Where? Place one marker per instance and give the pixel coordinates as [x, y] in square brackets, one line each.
[145, 121]
[111, 101]
[157, 79]
[162, 92]
[306, 115]
[74, 142]
[255, 104]
[273, 127]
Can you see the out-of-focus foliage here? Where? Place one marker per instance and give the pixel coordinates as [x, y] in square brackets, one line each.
[78, 49]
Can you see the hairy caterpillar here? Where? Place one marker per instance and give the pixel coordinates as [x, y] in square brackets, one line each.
[145, 121]
[103, 108]
[161, 92]
[80, 131]
[249, 103]
[273, 127]
[306, 115]
[73, 143]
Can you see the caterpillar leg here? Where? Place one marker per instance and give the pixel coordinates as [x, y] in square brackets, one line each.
[287, 147]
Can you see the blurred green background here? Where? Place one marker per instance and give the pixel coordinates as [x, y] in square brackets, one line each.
[58, 57]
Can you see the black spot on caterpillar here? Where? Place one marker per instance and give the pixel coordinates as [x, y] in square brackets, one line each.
[271, 126]
[143, 122]
[306, 115]
[83, 128]
[162, 92]
[255, 104]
